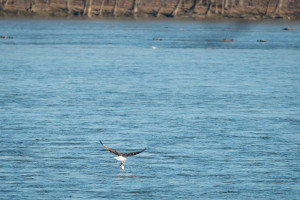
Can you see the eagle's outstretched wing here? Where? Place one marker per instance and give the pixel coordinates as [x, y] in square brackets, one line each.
[132, 153]
[111, 150]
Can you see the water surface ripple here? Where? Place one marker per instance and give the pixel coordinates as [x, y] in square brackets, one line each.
[219, 120]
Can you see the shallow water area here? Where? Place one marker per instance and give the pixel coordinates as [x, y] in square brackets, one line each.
[220, 120]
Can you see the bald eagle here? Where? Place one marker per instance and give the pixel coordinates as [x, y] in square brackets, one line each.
[121, 156]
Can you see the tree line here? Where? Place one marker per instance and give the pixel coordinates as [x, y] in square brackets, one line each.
[169, 8]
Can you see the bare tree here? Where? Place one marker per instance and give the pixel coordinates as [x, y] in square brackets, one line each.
[101, 7]
[161, 6]
[250, 2]
[115, 8]
[135, 6]
[224, 6]
[241, 3]
[175, 11]
[278, 6]
[68, 6]
[87, 10]
[195, 2]
[32, 6]
[216, 6]
[207, 12]
[85, 7]
[4, 4]
[268, 2]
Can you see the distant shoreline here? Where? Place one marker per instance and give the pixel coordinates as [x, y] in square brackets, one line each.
[8, 15]
[150, 10]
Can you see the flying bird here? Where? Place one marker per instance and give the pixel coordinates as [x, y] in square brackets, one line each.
[121, 156]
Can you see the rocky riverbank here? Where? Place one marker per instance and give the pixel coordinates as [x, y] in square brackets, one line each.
[154, 9]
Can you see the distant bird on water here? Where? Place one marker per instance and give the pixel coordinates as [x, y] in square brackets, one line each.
[121, 156]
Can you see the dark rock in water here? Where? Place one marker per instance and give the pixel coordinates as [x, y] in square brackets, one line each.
[226, 40]
[288, 29]
[278, 17]
[261, 41]
[6, 37]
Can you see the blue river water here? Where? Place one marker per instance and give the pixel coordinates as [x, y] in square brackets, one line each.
[220, 120]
